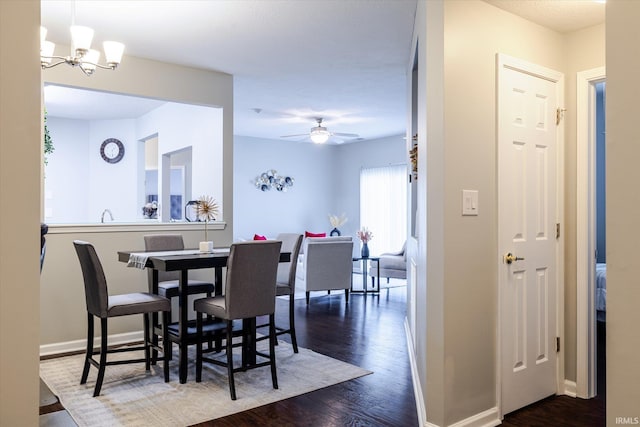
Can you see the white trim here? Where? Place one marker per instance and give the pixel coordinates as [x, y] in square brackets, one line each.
[506, 61]
[415, 378]
[116, 227]
[569, 388]
[585, 231]
[81, 345]
[488, 418]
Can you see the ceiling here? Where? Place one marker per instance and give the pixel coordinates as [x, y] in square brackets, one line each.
[292, 60]
[563, 16]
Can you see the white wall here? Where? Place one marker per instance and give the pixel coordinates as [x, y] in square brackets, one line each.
[180, 126]
[66, 185]
[327, 181]
[350, 160]
[79, 185]
[111, 186]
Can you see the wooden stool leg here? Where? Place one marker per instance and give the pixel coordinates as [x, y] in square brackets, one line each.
[147, 343]
[232, 384]
[292, 324]
[199, 347]
[272, 349]
[103, 356]
[89, 352]
[166, 344]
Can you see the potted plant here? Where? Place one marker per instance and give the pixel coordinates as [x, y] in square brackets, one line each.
[48, 142]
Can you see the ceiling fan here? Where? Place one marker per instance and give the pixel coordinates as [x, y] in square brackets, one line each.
[319, 134]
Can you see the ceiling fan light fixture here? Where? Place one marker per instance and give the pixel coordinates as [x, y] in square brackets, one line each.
[319, 134]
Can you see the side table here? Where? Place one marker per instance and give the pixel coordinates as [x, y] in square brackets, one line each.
[365, 270]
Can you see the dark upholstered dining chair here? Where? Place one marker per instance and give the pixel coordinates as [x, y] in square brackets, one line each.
[44, 229]
[286, 283]
[103, 306]
[168, 280]
[250, 292]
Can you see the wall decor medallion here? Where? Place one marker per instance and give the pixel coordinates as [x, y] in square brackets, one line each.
[270, 179]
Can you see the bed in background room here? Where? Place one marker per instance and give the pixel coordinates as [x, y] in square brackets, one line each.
[601, 291]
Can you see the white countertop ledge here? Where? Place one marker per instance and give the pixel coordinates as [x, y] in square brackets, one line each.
[146, 226]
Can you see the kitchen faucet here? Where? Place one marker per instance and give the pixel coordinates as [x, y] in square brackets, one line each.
[104, 212]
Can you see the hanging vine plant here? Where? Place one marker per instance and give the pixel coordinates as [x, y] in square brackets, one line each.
[48, 142]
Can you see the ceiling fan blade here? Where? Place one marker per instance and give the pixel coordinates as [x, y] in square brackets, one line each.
[348, 135]
[291, 136]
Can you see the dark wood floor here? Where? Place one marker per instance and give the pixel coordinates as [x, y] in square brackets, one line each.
[560, 411]
[369, 332]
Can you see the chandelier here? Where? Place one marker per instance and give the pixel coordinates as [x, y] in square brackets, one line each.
[82, 55]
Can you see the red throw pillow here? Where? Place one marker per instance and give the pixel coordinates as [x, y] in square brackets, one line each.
[259, 237]
[308, 234]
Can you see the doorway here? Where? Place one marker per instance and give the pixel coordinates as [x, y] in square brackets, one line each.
[590, 246]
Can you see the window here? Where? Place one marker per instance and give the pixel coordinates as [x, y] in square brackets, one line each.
[383, 207]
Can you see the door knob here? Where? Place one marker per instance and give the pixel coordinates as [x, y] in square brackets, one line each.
[509, 258]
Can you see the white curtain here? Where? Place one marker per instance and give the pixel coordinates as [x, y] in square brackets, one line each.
[383, 207]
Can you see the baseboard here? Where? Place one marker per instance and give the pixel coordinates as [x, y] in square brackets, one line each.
[417, 388]
[570, 388]
[488, 418]
[81, 345]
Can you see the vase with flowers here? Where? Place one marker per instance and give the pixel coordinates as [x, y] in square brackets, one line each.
[364, 234]
[206, 210]
[336, 221]
[150, 210]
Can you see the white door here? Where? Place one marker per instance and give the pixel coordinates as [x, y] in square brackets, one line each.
[527, 212]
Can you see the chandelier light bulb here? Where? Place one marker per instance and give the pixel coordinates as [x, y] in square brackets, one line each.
[81, 38]
[113, 52]
[46, 51]
[90, 60]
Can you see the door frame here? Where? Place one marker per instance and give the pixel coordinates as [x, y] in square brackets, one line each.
[586, 386]
[506, 61]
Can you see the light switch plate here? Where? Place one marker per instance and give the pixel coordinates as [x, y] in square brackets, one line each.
[469, 202]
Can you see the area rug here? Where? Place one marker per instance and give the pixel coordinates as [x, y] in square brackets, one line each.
[132, 397]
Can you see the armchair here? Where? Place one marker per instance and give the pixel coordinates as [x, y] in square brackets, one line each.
[325, 265]
[392, 264]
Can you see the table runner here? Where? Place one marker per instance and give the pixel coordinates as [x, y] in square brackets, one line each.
[139, 259]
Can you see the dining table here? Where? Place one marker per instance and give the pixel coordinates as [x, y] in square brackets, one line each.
[184, 332]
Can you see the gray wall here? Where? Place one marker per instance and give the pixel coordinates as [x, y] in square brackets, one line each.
[326, 181]
[62, 307]
[21, 118]
[457, 306]
[623, 200]
[20, 185]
